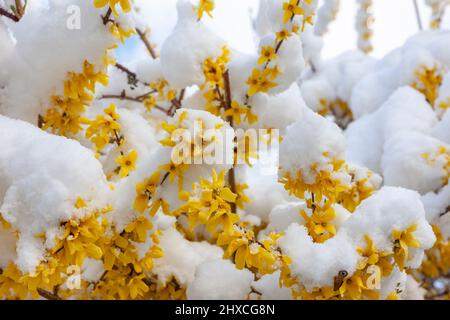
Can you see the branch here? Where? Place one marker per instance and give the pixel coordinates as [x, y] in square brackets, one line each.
[139, 99]
[107, 17]
[9, 15]
[228, 102]
[419, 19]
[20, 9]
[47, 295]
[147, 43]
[131, 75]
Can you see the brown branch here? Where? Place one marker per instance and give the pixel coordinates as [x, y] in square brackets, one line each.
[131, 75]
[228, 102]
[47, 295]
[147, 43]
[107, 17]
[419, 19]
[9, 15]
[19, 9]
[176, 103]
[139, 99]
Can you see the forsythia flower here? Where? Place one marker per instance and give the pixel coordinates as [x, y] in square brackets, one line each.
[145, 191]
[205, 6]
[235, 112]
[403, 240]
[267, 54]
[291, 9]
[125, 5]
[319, 223]
[127, 163]
[260, 81]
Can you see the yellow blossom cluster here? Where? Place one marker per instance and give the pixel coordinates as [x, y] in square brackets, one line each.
[324, 185]
[365, 20]
[339, 109]
[437, 259]
[441, 155]
[124, 4]
[214, 91]
[125, 275]
[373, 265]
[428, 82]
[263, 77]
[204, 6]
[210, 204]
[360, 189]
[319, 222]
[65, 116]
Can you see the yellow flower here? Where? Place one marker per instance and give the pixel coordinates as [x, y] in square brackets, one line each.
[104, 128]
[428, 82]
[319, 223]
[145, 191]
[205, 6]
[267, 54]
[402, 241]
[259, 82]
[235, 112]
[214, 70]
[282, 35]
[175, 172]
[80, 203]
[127, 163]
[291, 9]
[241, 198]
[371, 256]
[125, 4]
[140, 228]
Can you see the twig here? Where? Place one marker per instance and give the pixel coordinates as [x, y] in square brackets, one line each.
[228, 102]
[47, 295]
[19, 9]
[147, 43]
[107, 17]
[131, 75]
[419, 19]
[139, 99]
[176, 103]
[9, 15]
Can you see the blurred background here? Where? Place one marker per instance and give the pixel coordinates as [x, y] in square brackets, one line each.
[395, 22]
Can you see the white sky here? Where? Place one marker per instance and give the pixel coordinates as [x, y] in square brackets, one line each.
[395, 21]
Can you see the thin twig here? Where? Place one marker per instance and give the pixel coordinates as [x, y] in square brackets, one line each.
[47, 295]
[228, 102]
[130, 73]
[419, 19]
[9, 15]
[19, 9]
[147, 43]
[107, 17]
[139, 99]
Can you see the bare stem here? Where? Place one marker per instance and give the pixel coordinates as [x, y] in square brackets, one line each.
[228, 102]
[419, 19]
[147, 43]
[129, 73]
[9, 15]
[47, 295]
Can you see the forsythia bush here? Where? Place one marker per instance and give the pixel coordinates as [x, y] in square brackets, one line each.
[201, 172]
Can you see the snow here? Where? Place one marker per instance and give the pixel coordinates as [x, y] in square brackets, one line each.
[38, 54]
[182, 258]
[311, 142]
[185, 50]
[41, 177]
[220, 280]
